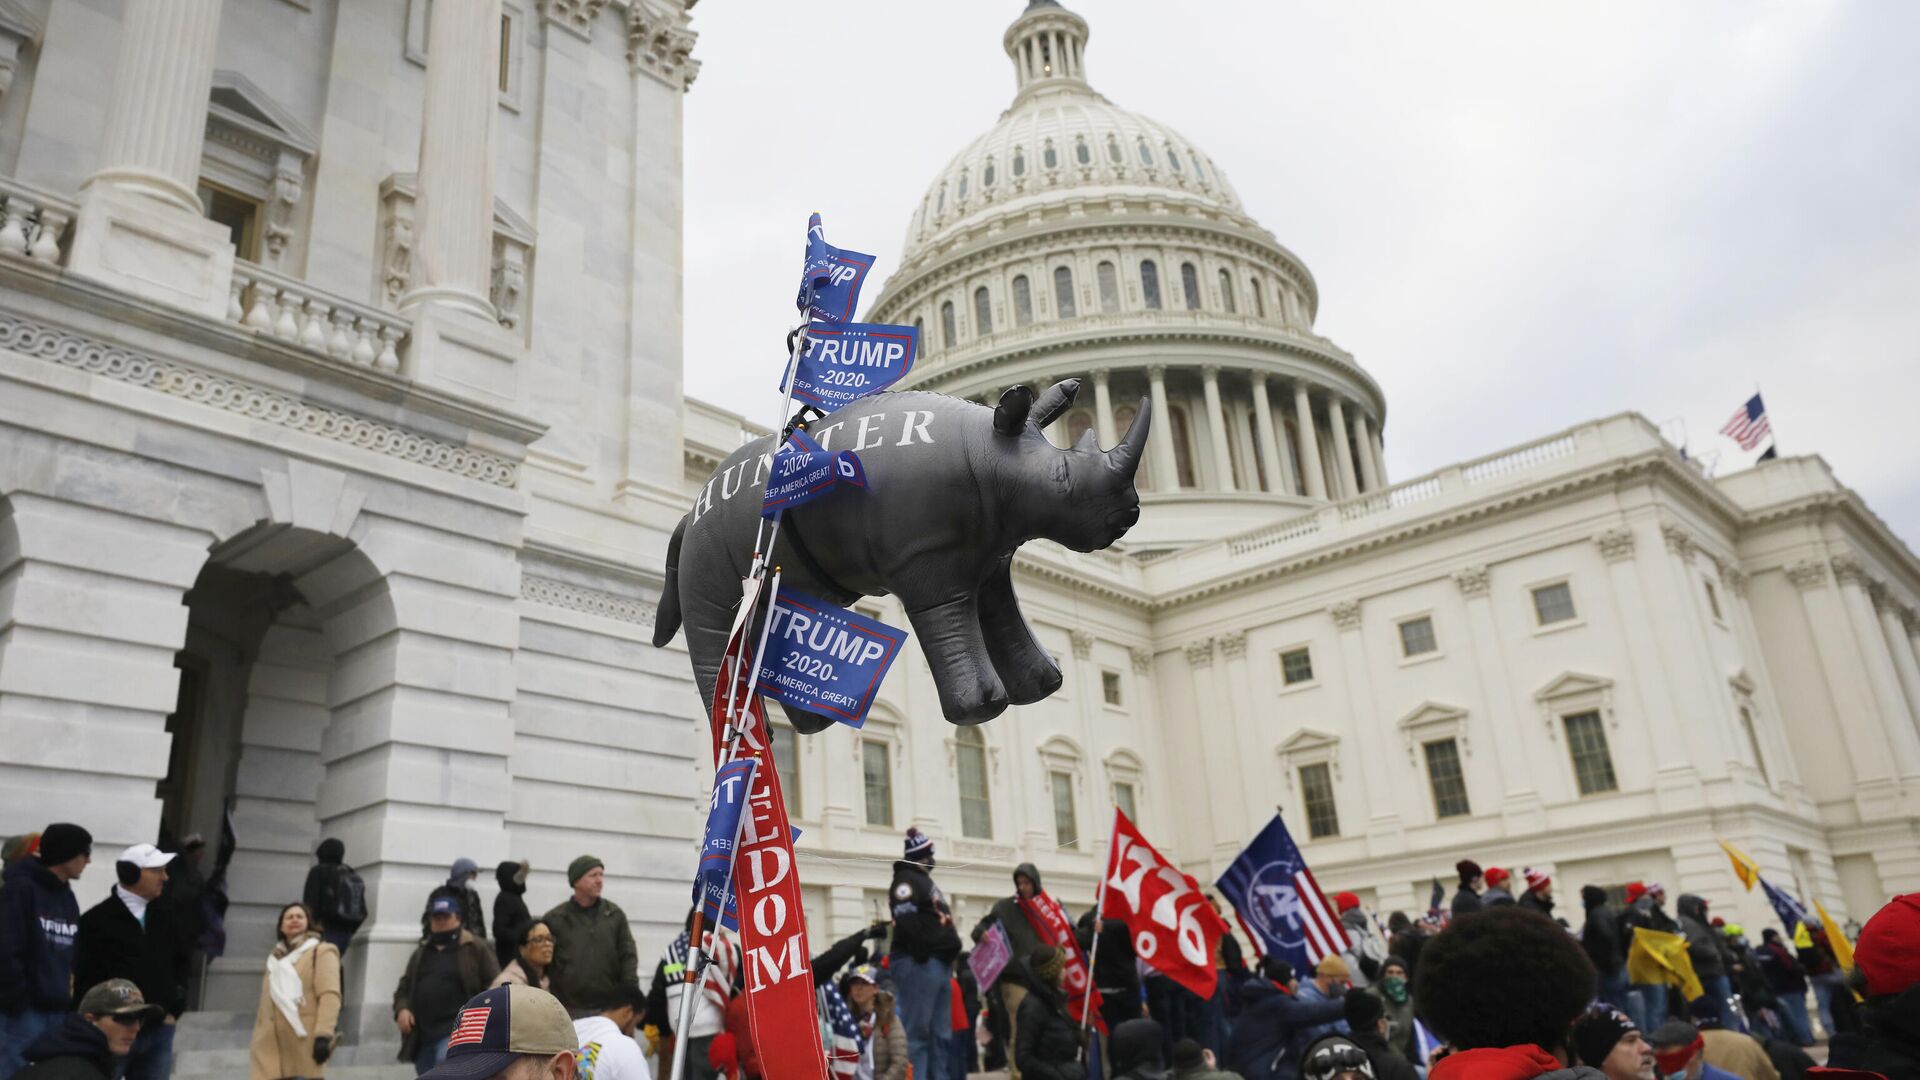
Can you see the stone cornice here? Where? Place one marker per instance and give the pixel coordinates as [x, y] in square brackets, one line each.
[570, 597]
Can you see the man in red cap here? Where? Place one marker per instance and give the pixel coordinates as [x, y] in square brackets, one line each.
[1366, 950]
[1887, 960]
[1539, 894]
[1497, 894]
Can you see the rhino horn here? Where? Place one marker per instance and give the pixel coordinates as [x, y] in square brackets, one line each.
[1056, 400]
[1010, 416]
[1125, 458]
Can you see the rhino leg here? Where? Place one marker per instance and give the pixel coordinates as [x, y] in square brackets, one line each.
[950, 635]
[1023, 665]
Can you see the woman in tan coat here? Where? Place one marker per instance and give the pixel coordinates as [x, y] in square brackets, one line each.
[293, 1030]
[529, 968]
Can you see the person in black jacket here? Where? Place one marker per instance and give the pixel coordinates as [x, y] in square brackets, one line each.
[1600, 937]
[924, 947]
[1466, 899]
[1367, 1026]
[1270, 1036]
[39, 919]
[510, 914]
[133, 935]
[1788, 982]
[322, 894]
[89, 1043]
[1047, 1046]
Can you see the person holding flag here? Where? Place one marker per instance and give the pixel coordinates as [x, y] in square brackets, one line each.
[1023, 937]
[1280, 902]
[1275, 1025]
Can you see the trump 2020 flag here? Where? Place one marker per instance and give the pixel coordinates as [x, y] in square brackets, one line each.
[1272, 889]
[845, 363]
[826, 659]
[830, 283]
[712, 882]
[803, 471]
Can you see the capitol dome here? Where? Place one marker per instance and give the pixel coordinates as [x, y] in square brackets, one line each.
[1076, 238]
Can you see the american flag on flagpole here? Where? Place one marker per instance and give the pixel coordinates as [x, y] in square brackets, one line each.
[844, 1049]
[1749, 425]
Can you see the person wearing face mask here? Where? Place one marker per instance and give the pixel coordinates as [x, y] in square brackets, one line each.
[1607, 1039]
[448, 967]
[1330, 981]
[293, 1029]
[1367, 1027]
[1395, 992]
[133, 934]
[90, 1043]
[510, 915]
[1679, 1053]
[534, 955]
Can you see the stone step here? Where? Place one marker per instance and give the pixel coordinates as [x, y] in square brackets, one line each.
[348, 1063]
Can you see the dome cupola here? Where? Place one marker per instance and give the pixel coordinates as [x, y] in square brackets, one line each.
[1047, 45]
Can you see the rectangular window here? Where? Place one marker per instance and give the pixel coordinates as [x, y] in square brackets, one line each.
[1592, 761]
[1296, 666]
[1123, 798]
[1553, 603]
[1444, 776]
[1316, 791]
[785, 748]
[1713, 601]
[1753, 744]
[876, 766]
[1066, 825]
[976, 804]
[1110, 687]
[1416, 637]
[239, 213]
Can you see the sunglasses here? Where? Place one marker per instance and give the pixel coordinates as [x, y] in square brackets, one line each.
[127, 1019]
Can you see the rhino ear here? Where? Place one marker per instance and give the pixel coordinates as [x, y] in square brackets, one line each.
[1056, 400]
[1010, 416]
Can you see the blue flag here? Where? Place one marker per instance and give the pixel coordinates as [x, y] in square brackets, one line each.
[845, 363]
[711, 882]
[1277, 896]
[803, 471]
[1791, 911]
[826, 659]
[830, 283]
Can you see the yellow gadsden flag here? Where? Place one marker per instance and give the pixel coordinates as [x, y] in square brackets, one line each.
[1836, 939]
[1658, 958]
[1744, 867]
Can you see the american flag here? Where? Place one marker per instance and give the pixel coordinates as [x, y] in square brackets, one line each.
[472, 1027]
[1749, 425]
[1272, 889]
[844, 1049]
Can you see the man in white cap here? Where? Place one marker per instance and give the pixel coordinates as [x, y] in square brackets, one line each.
[133, 935]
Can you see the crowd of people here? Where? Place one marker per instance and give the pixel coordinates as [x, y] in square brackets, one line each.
[1493, 984]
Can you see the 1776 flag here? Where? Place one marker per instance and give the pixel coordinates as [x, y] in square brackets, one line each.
[1749, 425]
[1271, 887]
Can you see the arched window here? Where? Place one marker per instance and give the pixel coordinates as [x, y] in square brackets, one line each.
[1259, 300]
[1122, 420]
[1259, 463]
[1173, 159]
[1146, 155]
[1113, 149]
[1109, 287]
[970, 769]
[1081, 153]
[946, 325]
[982, 312]
[1019, 161]
[1183, 448]
[1079, 421]
[1049, 156]
[1190, 285]
[963, 183]
[1063, 292]
[986, 174]
[1022, 301]
[920, 329]
[1150, 284]
[1226, 292]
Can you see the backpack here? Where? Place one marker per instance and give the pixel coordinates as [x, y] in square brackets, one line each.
[349, 899]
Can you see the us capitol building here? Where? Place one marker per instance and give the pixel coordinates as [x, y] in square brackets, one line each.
[341, 436]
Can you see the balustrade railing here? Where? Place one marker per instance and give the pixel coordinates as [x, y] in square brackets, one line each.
[327, 325]
[33, 223]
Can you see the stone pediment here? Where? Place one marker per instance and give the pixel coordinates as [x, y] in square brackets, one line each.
[1308, 739]
[1431, 714]
[1432, 721]
[237, 103]
[1573, 683]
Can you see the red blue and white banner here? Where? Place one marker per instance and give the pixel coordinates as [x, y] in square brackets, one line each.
[845, 363]
[712, 881]
[1280, 902]
[826, 659]
[803, 471]
[831, 279]
[1174, 928]
[1076, 978]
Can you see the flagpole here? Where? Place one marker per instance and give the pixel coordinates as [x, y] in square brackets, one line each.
[1093, 954]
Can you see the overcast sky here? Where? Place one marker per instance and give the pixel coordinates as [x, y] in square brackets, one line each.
[1520, 215]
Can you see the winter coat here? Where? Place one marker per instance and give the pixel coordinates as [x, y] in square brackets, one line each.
[1533, 901]
[1270, 1035]
[1705, 946]
[1020, 932]
[1387, 1062]
[1047, 1043]
[1497, 896]
[1527, 1062]
[922, 925]
[1467, 902]
[75, 1050]
[39, 919]
[114, 944]
[1311, 994]
[1399, 1020]
[321, 891]
[1644, 912]
[889, 1040]
[515, 974]
[593, 951]
[277, 1052]
[477, 969]
[1741, 1055]
[1783, 972]
[1892, 1035]
[1368, 950]
[1600, 937]
[1134, 1051]
[510, 914]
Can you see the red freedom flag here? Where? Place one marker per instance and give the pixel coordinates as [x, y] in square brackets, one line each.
[773, 934]
[1051, 923]
[1174, 928]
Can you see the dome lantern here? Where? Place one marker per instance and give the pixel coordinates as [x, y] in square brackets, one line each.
[1047, 45]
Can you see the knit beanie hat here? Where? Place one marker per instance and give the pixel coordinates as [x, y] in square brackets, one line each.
[1345, 902]
[1468, 870]
[1635, 890]
[1536, 879]
[1888, 952]
[1047, 962]
[579, 867]
[61, 841]
[1597, 1032]
[919, 846]
[1276, 969]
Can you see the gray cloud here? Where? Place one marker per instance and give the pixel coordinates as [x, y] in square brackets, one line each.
[1521, 215]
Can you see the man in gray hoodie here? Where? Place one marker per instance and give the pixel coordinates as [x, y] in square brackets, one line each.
[1015, 980]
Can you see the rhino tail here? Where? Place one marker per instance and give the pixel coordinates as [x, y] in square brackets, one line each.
[666, 616]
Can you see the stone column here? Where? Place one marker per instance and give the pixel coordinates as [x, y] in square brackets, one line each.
[1342, 450]
[453, 212]
[1384, 834]
[1379, 457]
[1896, 636]
[1220, 749]
[1269, 445]
[1369, 471]
[1520, 801]
[1217, 426]
[1166, 468]
[1103, 411]
[1896, 716]
[140, 227]
[1876, 793]
[1309, 443]
[1677, 784]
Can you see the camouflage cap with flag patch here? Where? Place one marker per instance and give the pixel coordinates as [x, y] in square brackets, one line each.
[498, 1025]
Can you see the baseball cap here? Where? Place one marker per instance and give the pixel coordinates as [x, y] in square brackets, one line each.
[145, 856]
[443, 905]
[498, 1025]
[1888, 952]
[118, 997]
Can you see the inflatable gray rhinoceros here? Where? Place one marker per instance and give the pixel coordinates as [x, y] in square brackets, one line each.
[955, 487]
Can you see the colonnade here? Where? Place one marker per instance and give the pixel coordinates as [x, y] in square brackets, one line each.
[1298, 438]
